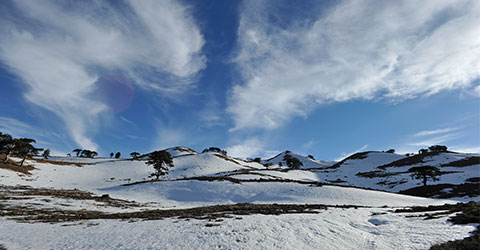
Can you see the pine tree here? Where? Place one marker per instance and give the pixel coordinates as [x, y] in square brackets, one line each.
[160, 160]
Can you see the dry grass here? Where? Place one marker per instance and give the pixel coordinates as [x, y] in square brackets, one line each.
[215, 213]
[11, 165]
[438, 190]
[19, 192]
[78, 164]
[356, 156]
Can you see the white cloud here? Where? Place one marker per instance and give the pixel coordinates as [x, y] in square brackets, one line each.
[358, 49]
[436, 140]
[476, 90]
[434, 132]
[59, 51]
[250, 147]
[437, 136]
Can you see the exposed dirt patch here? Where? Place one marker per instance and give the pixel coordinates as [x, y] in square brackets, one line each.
[23, 192]
[411, 160]
[445, 190]
[473, 180]
[28, 212]
[466, 213]
[184, 149]
[338, 180]
[78, 164]
[378, 174]
[233, 180]
[470, 161]
[356, 156]
[31, 215]
[11, 165]
[391, 184]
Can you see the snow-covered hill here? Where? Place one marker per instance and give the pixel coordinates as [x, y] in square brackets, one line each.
[118, 186]
[307, 162]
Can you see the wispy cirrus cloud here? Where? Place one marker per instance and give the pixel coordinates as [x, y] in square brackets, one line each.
[437, 139]
[435, 132]
[59, 49]
[357, 49]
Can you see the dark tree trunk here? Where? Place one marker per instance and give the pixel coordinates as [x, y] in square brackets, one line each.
[23, 160]
[6, 158]
[424, 180]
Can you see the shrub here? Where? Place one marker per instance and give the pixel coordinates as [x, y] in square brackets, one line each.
[292, 162]
[422, 151]
[88, 153]
[134, 155]
[215, 149]
[438, 148]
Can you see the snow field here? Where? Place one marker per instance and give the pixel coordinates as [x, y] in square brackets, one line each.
[330, 229]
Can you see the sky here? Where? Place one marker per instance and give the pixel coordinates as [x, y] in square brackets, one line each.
[253, 77]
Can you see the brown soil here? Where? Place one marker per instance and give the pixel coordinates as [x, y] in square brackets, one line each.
[30, 214]
[62, 162]
[437, 191]
[230, 179]
[9, 193]
[407, 161]
[11, 165]
[466, 213]
[356, 156]
[470, 161]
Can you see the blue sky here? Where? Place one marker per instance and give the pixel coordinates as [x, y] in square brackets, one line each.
[326, 78]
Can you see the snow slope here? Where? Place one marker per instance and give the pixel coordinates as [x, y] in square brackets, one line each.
[203, 179]
[185, 194]
[331, 229]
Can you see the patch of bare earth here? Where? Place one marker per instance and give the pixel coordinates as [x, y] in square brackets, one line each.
[32, 214]
[11, 165]
[465, 213]
[78, 164]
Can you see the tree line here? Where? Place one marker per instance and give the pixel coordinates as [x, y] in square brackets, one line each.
[20, 147]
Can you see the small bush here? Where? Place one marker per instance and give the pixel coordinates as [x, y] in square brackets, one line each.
[292, 162]
[215, 149]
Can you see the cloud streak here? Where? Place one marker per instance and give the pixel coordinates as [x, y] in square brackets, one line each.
[365, 49]
[60, 49]
[435, 132]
